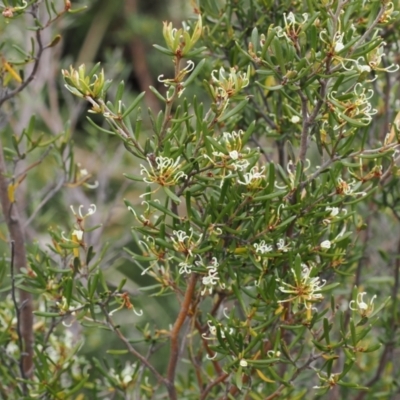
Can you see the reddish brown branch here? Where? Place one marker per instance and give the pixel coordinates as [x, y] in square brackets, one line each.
[174, 355]
[215, 382]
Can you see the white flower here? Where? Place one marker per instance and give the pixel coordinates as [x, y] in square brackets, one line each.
[181, 236]
[339, 47]
[295, 119]
[326, 244]
[362, 307]
[127, 373]
[213, 331]
[262, 247]
[234, 154]
[230, 83]
[338, 42]
[305, 290]
[253, 178]
[282, 246]
[185, 268]
[328, 381]
[183, 242]
[212, 278]
[91, 211]
[363, 68]
[78, 234]
[273, 353]
[334, 211]
[240, 165]
[348, 188]
[243, 363]
[165, 171]
[12, 349]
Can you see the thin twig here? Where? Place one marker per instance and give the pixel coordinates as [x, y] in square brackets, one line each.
[309, 119]
[35, 68]
[215, 382]
[46, 198]
[368, 31]
[128, 345]
[18, 316]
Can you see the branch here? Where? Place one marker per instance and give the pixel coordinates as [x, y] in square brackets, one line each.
[46, 198]
[308, 120]
[18, 315]
[35, 68]
[131, 349]
[183, 313]
[17, 237]
[215, 382]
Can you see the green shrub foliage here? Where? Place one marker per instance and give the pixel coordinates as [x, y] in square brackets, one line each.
[264, 216]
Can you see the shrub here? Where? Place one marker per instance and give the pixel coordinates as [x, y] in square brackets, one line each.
[267, 189]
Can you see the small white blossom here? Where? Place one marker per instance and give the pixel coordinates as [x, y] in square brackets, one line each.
[183, 242]
[127, 373]
[334, 211]
[91, 211]
[243, 363]
[295, 119]
[305, 290]
[326, 244]
[361, 306]
[328, 381]
[78, 234]
[213, 331]
[185, 268]
[348, 188]
[165, 171]
[125, 376]
[12, 349]
[273, 353]
[212, 278]
[253, 178]
[262, 247]
[282, 246]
